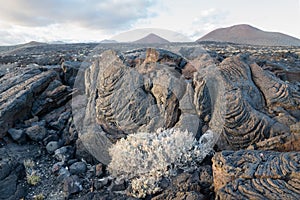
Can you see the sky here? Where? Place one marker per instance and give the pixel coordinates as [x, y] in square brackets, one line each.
[22, 21]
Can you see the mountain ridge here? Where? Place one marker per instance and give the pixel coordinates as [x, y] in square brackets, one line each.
[247, 34]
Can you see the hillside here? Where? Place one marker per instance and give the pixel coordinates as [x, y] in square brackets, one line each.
[152, 39]
[246, 34]
[136, 34]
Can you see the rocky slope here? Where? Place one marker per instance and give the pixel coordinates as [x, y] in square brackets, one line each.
[246, 34]
[62, 106]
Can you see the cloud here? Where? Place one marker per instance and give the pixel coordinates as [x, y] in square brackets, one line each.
[7, 38]
[104, 14]
[15, 34]
[206, 21]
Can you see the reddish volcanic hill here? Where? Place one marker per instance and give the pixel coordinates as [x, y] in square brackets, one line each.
[152, 39]
[246, 34]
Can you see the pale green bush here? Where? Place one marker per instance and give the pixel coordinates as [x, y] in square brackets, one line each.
[145, 158]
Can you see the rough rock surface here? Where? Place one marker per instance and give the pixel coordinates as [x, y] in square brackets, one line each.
[144, 89]
[258, 104]
[29, 92]
[11, 172]
[134, 91]
[188, 185]
[247, 174]
[244, 93]
[18, 91]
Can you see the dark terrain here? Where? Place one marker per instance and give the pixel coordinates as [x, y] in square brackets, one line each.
[257, 155]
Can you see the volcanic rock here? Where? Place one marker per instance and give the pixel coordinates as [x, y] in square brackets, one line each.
[78, 168]
[10, 174]
[145, 89]
[195, 185]
[248, 174]
[118, 186]
[52, 146]
[153, 84]
[54, 96]
[36, 133]
[17, 135]
[64, 153]
[72, 185]
[247, 95]
[18, 92]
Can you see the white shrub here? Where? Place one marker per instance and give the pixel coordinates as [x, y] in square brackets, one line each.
[144, 158]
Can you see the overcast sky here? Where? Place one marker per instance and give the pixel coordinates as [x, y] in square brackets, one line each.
[94, 20]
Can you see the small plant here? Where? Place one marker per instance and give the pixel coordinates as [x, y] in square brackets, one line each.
[33, 179]
[31, 176]
[39, 197]
[29, 164]
[145, 158]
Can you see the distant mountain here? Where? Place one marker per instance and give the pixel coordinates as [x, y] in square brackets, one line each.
[31, 44]
[108, 41]
[246, 34]
[13, 48]
[152, 39]
[136, 34]
[57, 42]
